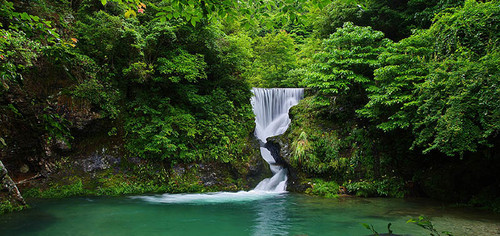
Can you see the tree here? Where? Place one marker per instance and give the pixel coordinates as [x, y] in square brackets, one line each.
[275, 55]
[345, 65]
[442, 83]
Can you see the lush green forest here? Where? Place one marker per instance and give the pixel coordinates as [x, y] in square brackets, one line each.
[403, 97]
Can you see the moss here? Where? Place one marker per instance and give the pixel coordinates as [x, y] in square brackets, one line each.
[188, 182]
[59, 190]
[323, 148]
[6, 206]
[143, 178]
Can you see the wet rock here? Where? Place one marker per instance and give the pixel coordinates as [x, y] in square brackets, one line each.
[98, 161]
[275, 150]
[280, 145]
[281, 148]
[209, 175]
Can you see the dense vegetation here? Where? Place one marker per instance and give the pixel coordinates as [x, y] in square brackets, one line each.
[403, 95]
[390, 106]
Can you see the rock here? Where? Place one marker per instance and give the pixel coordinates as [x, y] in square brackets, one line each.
[9, 191]
[179, 170]
[282, 154]
[24, 169]
[258, 168]
[62, 145]
[98, 161]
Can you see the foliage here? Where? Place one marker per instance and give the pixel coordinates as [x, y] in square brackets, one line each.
[486, 199]
[319, 187]
[26, 41]
[391, 187]
[420, 221]
[445, 87]
[396, 19]
[336, 150]
[362, 188]
[372, 229]
[274, 56]
[7, 206]
[385, 187]
[229, 10]
[180, 105]
[427, 225]
[345, 65]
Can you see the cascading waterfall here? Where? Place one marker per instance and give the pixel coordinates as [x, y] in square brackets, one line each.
[271, 118]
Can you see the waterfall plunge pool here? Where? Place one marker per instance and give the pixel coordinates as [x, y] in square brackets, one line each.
[243, 213]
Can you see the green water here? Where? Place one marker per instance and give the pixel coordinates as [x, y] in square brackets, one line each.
[273, 214]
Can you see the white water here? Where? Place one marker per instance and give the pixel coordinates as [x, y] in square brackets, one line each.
[271, 107]
[203, 198]
[271, 118]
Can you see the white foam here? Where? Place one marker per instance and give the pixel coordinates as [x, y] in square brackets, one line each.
[216, 197]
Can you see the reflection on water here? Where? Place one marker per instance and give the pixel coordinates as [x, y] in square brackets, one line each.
[270, 210]
[271, 217]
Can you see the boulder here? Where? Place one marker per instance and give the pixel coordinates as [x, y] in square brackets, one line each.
[8, 189]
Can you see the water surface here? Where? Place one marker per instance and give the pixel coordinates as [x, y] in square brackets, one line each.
[243, 213]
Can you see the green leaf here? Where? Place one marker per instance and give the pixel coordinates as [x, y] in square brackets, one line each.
[104, 2]
[2, 141]
[129, 13]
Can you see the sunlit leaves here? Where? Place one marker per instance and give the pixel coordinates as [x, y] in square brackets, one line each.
[275, 55]
[129, 13]
[182, 66]
[348, 58]
[193, 11]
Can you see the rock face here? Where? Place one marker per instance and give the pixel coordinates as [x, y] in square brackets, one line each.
[250, 171]
[8, 189]
[257, 168]
[280, 148]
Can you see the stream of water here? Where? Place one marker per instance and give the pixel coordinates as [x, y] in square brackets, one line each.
[271, 106]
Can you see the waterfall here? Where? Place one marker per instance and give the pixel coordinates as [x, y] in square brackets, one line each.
[270, 107]
[271, 118]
